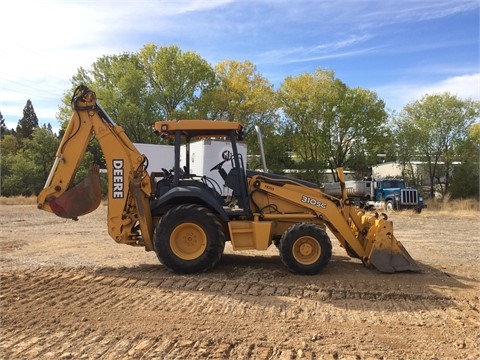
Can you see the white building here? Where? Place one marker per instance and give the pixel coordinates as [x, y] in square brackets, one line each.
[386, 170]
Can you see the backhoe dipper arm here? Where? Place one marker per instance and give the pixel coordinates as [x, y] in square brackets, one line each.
[129, 185]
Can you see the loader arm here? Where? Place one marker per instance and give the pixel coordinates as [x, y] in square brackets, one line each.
[129, 186]
[368, 237]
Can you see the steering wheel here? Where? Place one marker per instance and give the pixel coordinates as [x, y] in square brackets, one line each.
[219, 165]
[167, 173]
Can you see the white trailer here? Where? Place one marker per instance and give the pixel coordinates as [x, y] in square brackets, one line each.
[360, 189]
[385, 194]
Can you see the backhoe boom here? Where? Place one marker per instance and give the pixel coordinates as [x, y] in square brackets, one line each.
[128, 182]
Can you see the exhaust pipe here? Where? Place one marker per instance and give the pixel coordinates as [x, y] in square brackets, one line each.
[262, 152]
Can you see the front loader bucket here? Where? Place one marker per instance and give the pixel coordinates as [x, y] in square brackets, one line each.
[388, 254]
[81, 199]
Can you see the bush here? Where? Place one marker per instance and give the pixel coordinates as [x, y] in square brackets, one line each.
[457, 206]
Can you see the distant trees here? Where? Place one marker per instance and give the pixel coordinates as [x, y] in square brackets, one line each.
[313, 121]
[3, 127]
[28, 122]
[27, 155]
[176, 80]
[121, 87]
[308, 102]
[27, 168]
[465, 181]
[331, 122]
[242, 94]
[435, 130]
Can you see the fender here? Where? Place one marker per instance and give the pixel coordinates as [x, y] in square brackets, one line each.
[190, 194]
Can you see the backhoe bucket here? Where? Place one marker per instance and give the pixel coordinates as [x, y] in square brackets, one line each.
[388, 254]
[81, 199]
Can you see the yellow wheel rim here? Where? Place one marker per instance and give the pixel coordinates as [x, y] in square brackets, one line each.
[306, 250]
[188, 241]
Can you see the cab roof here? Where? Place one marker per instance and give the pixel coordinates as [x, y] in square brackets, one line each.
[198, 128]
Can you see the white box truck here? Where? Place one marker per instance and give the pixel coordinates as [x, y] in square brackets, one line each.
[204, 155]
[159, 156]
[207, 153]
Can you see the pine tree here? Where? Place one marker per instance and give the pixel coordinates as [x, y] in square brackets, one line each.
[3, 127]
[28, 123]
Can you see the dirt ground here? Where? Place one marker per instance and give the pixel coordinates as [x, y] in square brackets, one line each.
[70, 292]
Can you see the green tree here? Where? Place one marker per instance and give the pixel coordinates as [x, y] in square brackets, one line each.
[406, 138]
[334, 125]
[42, 148]
[242, 94]
[356, 130]
[122, 90]
[137, 89]
[277, 153]
[465, 182]
[23, 176]
[3, 128]
[176, 79]
[25, 168]
[430, 128]
[308, 102]
[28, 122]
[9, 146]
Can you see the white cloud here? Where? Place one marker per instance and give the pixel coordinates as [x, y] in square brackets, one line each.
[465, 86]
[44, 42]
[340, 48]
[377, 13]
[397, 95]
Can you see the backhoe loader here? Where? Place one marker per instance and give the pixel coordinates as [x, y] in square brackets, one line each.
[185, 219]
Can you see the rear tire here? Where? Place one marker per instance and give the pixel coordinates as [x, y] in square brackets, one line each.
[189, 239]
[305, 248]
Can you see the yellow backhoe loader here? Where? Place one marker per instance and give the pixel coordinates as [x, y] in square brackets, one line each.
[184, 218]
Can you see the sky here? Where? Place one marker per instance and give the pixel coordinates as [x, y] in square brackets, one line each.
[402, 50]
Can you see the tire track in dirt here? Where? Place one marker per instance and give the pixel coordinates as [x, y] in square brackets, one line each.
[65, 295]
[51, 288]
[73, 302]
[123, 278]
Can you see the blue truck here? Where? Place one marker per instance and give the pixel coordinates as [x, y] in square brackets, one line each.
[383, 194]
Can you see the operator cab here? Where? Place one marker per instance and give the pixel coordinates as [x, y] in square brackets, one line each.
[180, 185]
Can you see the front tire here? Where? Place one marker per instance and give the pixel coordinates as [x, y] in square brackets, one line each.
[389, 206]
[305, 249]
[189, 239]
